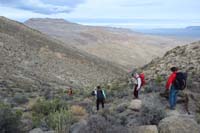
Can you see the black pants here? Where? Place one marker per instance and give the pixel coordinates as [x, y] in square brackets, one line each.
[135, 91]
[98, 102]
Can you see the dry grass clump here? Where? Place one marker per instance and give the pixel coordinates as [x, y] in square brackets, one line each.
[78, 110]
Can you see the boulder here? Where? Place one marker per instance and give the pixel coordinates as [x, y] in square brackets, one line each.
[38, 130]
[172, 113]
[121, 107]
[98, 124]
[178, 124]
[95, 124]
[78, 127]
[144, 129]
[26, 124]
[135, 105]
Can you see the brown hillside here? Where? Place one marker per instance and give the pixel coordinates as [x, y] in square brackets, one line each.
[120, 46]
[32, 60]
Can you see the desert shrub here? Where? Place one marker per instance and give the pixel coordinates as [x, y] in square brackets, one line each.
[123, 120]
[189, 82]
[97, 124]
[78, 110]
[148, 89]
[158, 79]
[60, 121]
[109, 115]
[119, 90]
[151, 115]
[47, 106]
[20, 99]
[198, 113]
[154, 86]
[43, 108]
[85, 93]
[87, 104]
[118, 86]
[198, 118]
[10, 120]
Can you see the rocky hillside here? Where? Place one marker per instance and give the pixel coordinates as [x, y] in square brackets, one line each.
[187, 59]
[35, 71]
[30, 60]
[121, 46]
[150, 113]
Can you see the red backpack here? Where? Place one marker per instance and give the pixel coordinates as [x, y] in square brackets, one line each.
[142, 78]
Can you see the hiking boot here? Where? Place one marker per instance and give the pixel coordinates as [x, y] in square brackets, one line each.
[173, 108]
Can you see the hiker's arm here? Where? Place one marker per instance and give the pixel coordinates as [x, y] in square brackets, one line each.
[139, 83]
[170, 81]
[104, 94]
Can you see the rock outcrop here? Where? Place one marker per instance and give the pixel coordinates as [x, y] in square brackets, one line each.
[135, 105]
[144, 129]
[178, 124]
[187, 59]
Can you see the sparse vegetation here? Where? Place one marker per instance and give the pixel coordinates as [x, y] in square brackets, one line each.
[78, 110]
[10, 119]
[43, 108]
[60, 120]
[158, 79]
[20, 98]
[198, 113]
[148, 89]
[198, 118]
[151, 115]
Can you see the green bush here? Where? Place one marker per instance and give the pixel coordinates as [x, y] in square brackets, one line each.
[151, 115]
[159, 79]
[43, 108]
[148, 89]
[10, 120]
[47, 106]
[60, 120]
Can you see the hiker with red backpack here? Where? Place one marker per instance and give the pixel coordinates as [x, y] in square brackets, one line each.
[175, 82]
[139, 81]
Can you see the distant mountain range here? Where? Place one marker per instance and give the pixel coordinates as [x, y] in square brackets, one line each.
[191, 32]
[193, 28]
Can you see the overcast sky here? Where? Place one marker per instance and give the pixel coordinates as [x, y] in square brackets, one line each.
[121, 13]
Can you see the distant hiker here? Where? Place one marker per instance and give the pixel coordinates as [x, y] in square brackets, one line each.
[139, 81]
[70, 92]
[100, 97]
[175, 82]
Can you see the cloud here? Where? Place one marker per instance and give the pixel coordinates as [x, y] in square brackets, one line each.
[116, 12]
[142, 4]
[43, 6]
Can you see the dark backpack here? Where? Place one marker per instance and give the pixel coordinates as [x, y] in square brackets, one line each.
[100, 94]
[180, 81]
